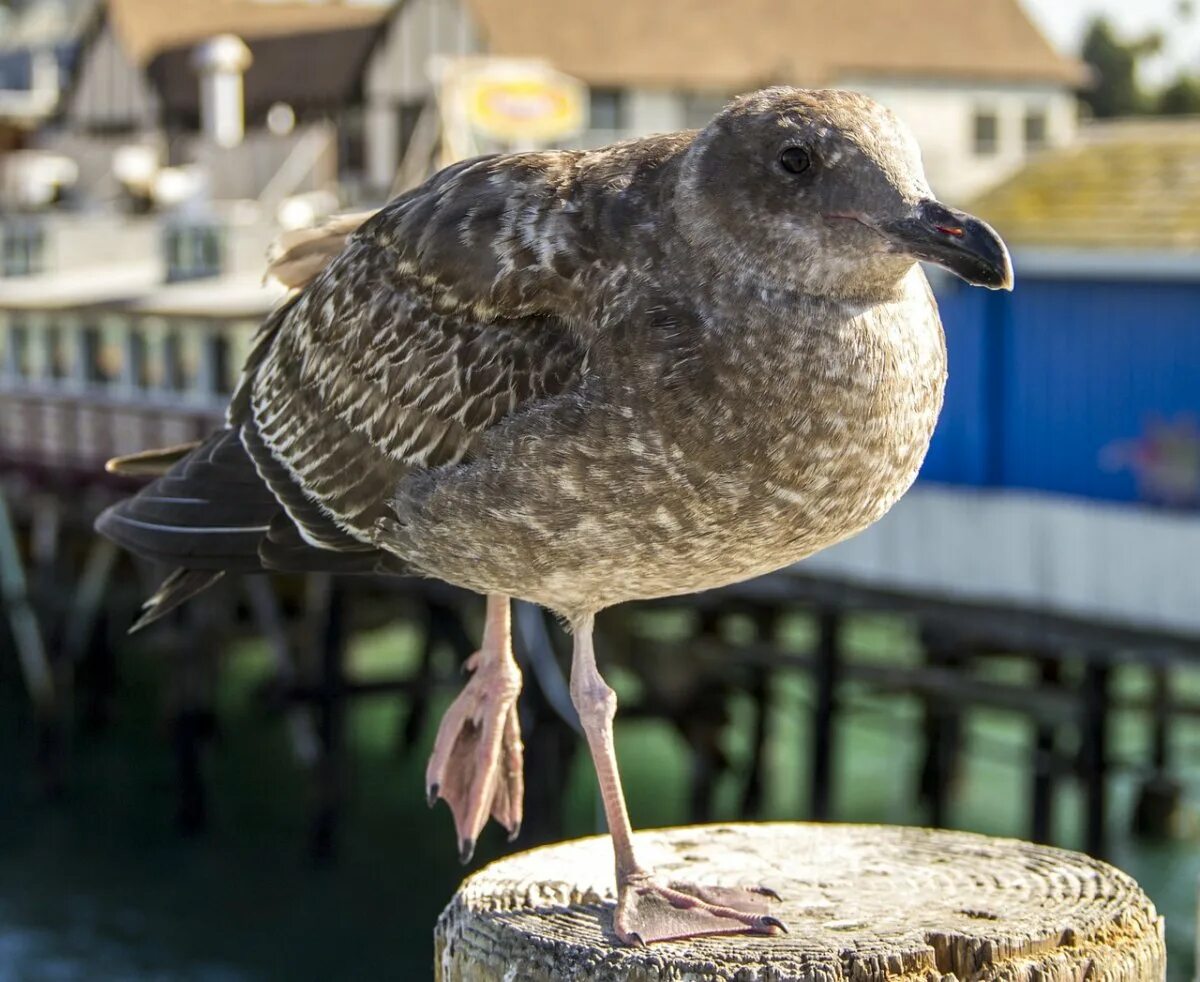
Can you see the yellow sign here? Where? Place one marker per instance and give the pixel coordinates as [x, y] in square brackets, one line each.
[524, 104]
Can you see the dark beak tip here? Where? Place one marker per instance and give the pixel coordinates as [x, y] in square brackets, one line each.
[1003, 260]
[960, 243]
[1006, 280]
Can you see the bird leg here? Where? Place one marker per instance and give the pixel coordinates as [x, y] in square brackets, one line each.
[477, 764]
[650, 908]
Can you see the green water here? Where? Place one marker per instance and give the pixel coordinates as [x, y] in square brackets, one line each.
[101, 887]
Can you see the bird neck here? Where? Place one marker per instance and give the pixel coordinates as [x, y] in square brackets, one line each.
[719, 279]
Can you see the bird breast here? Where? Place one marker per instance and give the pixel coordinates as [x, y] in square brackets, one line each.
[791, 428]
[815, 422]
[864, 399]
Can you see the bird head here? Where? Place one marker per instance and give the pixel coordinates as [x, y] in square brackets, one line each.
[825, 189]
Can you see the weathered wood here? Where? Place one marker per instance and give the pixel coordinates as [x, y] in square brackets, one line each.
[863, 903]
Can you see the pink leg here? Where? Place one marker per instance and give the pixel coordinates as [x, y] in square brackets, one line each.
[478, 760]
[647, 908]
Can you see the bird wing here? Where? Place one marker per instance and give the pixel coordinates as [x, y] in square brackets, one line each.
[444, 315]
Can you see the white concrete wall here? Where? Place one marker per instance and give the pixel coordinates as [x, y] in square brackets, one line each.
[941, 114]
[1122, 563]
[419, 30]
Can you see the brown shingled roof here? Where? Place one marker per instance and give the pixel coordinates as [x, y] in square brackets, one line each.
[1127, 184]
[147, 28]
[728, 45]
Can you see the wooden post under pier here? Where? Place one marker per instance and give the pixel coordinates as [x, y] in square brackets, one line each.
[867, 903]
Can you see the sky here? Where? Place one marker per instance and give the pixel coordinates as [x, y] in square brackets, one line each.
[1064, 22]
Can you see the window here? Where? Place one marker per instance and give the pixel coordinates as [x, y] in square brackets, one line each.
[986, 133]
[222, 369]
[174, 373]
[56, 351]
[137, 352]
[607, 109]
[22, 248]
[1035, 129]
[408, 115]
[16, 364]
[99, 366]
[351, 146]
[192, 251]
[700, 107]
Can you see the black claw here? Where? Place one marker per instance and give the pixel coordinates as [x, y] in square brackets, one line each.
[514, 832]
[769, 921]
[635, 939]
[768, 892]
[431, 794]
[466, 849]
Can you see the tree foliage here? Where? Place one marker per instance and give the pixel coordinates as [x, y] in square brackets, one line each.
[1115, 89]
[1181, 97]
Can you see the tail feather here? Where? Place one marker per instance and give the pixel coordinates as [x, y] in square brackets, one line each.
[212, 509]
[178, 588]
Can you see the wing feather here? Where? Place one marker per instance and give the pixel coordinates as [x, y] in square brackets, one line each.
[349, 409]
[461, 303]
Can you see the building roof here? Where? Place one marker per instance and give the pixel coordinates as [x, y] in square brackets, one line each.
[1127, 184]
[285, 37]
[273, 75]
[147, 28]
[726, 47]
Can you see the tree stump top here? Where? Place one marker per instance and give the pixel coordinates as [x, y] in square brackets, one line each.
[862, 903]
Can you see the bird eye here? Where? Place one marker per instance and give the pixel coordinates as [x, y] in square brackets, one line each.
[795, 160]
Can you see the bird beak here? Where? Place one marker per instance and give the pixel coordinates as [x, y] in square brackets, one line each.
[963, 244]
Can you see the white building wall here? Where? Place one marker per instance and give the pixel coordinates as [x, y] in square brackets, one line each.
[942, 113]
[110, 91]
[399, 73]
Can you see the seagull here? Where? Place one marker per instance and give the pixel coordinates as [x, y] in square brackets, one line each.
[585, 377]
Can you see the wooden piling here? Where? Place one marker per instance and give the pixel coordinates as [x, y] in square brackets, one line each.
[862, 903]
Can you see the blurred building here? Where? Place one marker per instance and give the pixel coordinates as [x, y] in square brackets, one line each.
[981, 87]
[138, 80]
[1126, 193]
[336, 89]
[39, 46]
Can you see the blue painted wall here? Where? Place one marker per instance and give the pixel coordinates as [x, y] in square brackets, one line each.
[1043, 380]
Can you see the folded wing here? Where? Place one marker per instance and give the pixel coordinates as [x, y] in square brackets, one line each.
[444, 314]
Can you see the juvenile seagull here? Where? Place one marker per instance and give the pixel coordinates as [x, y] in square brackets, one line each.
[582, 378]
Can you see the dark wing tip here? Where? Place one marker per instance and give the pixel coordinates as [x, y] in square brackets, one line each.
[179, 587]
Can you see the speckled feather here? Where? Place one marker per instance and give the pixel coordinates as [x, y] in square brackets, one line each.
[587, 377]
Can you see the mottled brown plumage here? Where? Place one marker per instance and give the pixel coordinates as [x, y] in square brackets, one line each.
[588, 377]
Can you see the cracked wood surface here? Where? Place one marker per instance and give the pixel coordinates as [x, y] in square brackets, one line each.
[862, 903]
